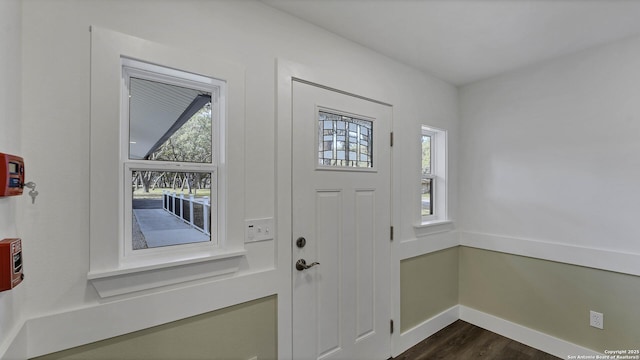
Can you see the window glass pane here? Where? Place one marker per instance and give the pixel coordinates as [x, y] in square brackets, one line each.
[426, 154]
[427, 197]
[169, 123]
[427, 175]
[170, 208]
[344, 141]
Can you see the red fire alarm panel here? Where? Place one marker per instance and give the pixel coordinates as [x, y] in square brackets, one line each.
[11, 175]
[10, 263]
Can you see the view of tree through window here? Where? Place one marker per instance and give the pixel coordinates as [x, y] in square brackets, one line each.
[427, 176]
[191, 142]
[174, 209]
[170, 124]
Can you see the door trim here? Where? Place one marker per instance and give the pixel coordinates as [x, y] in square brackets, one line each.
[340, 91]
[286, 73]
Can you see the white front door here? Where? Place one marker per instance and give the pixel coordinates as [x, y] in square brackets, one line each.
[341, 207]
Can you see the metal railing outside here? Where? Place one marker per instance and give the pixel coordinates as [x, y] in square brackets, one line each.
[193, 211]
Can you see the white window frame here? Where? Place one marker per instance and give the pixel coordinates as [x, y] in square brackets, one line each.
[438, 177]
[431, 175]
[217, 88]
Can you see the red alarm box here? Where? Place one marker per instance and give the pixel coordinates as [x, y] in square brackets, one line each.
[10, 263]
[11, 175]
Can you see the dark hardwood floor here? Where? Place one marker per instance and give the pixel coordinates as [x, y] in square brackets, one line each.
[461, 341]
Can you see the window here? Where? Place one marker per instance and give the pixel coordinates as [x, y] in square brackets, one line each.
[170, 139]
[344, 141]
[427, 173]
[169, 131]
[433, 175]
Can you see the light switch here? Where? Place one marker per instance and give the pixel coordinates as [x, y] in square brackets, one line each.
[258, 230]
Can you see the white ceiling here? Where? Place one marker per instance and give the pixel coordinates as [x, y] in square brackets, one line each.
[461, 41]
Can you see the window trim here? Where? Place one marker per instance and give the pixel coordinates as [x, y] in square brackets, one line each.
[107, 272]
[439, 178]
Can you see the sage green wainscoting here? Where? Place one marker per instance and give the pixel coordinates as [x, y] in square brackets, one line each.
[554, 298]
[428, 286]
[237, 332]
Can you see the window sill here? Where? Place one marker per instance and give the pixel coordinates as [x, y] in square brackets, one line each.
[138, 277]
[433, 227]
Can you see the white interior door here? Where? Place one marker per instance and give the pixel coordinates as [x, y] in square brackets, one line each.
[341, 207]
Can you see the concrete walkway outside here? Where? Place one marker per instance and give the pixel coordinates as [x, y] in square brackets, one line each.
[154, 203]
[160, 228]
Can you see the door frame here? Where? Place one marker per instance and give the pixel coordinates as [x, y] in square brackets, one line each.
[287, 72]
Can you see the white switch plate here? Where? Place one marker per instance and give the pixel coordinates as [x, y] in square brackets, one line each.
[258, 230]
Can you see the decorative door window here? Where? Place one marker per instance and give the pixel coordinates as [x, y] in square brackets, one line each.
[344, 141]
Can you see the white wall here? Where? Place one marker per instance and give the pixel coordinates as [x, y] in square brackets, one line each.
[549, 159]
[11, 302]
[56, 141]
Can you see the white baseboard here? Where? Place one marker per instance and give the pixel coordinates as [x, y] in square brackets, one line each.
[525, 335]
[519, 333]
[416, 334]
